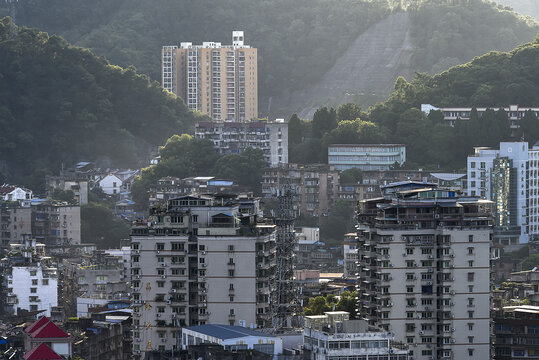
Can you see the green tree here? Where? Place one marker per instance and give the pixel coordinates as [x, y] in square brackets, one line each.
[324, 120]
[349, 111]
[67, 196]
[296, 130]
[317, 306]
[245, 169]
[348, 302]
[99, 226]
[530, 262]
[351, 176]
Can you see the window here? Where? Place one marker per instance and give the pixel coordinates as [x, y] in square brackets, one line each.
[231, 312]
[410, 264]
[160, 259]
[410, 276]
[135, 259]
[33, 307]
[470, 263]
[34, 282]
[160, 246]
[470, 302]
[409, 251]
[45, 282]
[201, 247]
[195, 218]
[470, 276]
[410, 314]
[410, 327]
[33, 273]
[160, 309]
[472, 165]
[33, 290]
[177, 246]
[470, 250]
[470, 339]
[231, 298]
[410, 340]
[409, 289]
[470, 238]
[230, 272]
[470, 288]
[160, 284]
[470, 314]
[470, 326]
[230, 247]
[231, 287]
[470, 352]
[201, 260]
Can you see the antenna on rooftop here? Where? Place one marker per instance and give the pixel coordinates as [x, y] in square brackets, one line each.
[13, 15]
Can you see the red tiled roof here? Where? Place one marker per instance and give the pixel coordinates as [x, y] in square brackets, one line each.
[42, 352]
[49, 330]
[37, 324]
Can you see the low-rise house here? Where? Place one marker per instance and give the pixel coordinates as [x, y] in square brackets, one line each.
[14, 193]
[45, 332]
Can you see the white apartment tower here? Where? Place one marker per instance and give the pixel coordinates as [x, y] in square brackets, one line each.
[219, 80]
[424, 270]
[199, 260]
[502, 176]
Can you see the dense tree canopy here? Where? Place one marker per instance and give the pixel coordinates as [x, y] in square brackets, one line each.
[61, 104]
[298, 40]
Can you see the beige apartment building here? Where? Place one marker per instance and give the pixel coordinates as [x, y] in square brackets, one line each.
[218, 80]
[199, 260]
[424, 270]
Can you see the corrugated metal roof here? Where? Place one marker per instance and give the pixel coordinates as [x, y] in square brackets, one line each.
[226, 332]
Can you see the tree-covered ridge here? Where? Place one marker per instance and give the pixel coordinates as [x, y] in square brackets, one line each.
[451, 32]
[61, 104]
[298, 40]
[494, 80]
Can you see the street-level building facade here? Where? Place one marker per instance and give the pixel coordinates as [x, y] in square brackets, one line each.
[366, 156]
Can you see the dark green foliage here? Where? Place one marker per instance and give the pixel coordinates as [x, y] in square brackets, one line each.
[448, 32]
[324, 120]
[351, 176]
[349, 111]
[60, 104]
[101, 227]
[530, 262]
[320, 304]
[64, 195]
[339, 222]
[183, 156]
[288, 33]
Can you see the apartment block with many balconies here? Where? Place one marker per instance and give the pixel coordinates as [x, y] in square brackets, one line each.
[424, 269]
[219, 80]
[199, 260]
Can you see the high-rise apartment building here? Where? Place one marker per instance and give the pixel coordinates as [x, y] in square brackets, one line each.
[424, 257]
[218, 80]
[503, 177]
[200, 260]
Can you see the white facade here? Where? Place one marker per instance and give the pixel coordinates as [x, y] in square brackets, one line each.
[451, 114]
[366, 156]
[479, 168]
[10, 193]
[32, 288]
[85, 303]
[235, 137]
[111, 184]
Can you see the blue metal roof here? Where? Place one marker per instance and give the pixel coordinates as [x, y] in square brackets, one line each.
[226, 332]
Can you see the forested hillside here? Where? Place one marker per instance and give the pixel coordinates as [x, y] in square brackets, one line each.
[298, 40]
[525, 7]
[61, 104]
[493, 80]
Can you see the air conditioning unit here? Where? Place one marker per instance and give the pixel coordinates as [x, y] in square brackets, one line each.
[436, 216]
[203, 265]
[452, 292]
[163, 276]
[204, 304]
[429, 282]
[173, 290]
[163, 339]
[169, 302]
[390, 304]
[452, 341]
[137, 277]
[203, 253]
[451, 303]
[452, 329]
[159, 252]
[138, 301]
[427, 307]
[421, 332]
[452, 255]
[137, 251]
[137, 339]
[158, 315]
[404, 254]
[163, 264]
[430, 257]
[173, 316]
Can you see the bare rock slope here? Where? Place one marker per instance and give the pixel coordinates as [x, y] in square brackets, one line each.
[368, 69]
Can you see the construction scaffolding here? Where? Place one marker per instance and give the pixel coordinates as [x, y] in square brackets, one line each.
[283, 298]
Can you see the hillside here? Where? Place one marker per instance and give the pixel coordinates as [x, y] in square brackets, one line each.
[305, 46]
[524, 7]
[61, 104]
[492, 80]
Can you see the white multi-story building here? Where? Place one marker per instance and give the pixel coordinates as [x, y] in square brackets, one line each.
[31, 281]
[424, 269]
[502, 176]
[333, 336]
[235, 137]
[451, 114]
[201, 260]
[366, 156]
